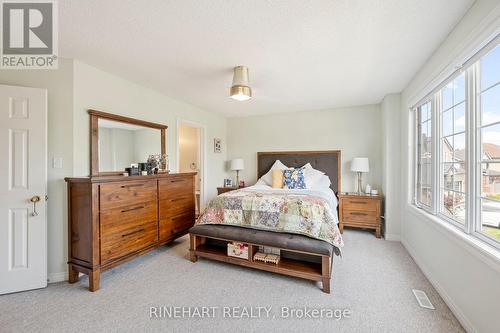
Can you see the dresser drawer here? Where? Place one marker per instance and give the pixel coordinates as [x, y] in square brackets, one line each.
[127, 193]
[117, 220]
[116, 245]
[177, 224]
[359, 216]
[360, 204]
[176, 206]
[176, 186]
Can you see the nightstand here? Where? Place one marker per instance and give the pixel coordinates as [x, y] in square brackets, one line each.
[221, 190]
[360, 211]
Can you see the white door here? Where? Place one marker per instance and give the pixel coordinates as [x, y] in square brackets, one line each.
[23, 176]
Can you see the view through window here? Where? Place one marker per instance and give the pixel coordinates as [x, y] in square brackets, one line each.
[461, 119]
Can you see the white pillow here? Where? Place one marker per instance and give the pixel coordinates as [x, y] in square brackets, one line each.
[320, 183]
[313, 177]
[268, 177]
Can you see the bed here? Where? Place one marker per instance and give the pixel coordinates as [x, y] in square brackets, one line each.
[301, 223]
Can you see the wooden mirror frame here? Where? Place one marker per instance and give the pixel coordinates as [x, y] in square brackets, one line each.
[94, 137]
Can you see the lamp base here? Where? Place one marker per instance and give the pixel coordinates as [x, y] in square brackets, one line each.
[359, 183]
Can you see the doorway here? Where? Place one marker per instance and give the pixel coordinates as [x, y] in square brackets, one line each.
[190, 152]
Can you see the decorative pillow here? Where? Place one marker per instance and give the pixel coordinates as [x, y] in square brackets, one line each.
[293, 179]
[322, 182]
[268, 177]
[277, 178]
[315, 178]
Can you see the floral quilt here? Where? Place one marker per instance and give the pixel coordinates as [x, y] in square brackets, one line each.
[279, 212]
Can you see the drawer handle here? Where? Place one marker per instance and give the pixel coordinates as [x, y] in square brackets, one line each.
[132, 185]
[177, 180]
[133, 232]
[358, 213]
[178, 199]
[359, 202]
[134, 208]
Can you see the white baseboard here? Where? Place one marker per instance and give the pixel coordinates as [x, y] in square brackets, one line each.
[462, 318]
[392, 237]
[57, 277]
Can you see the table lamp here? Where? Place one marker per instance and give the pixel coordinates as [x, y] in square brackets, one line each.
[236, 165]
[360, 165]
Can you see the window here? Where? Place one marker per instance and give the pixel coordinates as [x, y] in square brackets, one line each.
[489, 132]
[451, 102]
[424, 158]
[457, 169]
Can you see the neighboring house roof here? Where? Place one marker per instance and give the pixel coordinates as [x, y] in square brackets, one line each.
[491, 150]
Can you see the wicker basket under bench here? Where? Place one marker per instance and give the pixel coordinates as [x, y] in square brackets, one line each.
[301, 256]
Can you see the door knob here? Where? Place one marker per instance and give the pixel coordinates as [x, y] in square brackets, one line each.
[34, 199]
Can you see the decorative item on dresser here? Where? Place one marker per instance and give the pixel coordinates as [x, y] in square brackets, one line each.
[113, 219]
[360, 211]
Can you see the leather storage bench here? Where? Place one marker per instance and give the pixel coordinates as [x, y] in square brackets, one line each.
[301, 256]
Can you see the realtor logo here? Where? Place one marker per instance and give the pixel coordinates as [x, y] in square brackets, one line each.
[29, 35]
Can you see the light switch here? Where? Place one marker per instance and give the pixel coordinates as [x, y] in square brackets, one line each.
[57, 162]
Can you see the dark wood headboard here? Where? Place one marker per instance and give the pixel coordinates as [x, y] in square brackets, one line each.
[328, 161]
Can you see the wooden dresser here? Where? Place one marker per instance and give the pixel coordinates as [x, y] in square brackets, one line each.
[114, 219]
[360, 210]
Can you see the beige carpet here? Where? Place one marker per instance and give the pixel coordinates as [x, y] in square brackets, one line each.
[373, 280]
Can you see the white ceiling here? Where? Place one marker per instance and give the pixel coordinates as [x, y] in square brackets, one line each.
[302, 55]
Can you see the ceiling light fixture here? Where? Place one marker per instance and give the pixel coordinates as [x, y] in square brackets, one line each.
[240, 90]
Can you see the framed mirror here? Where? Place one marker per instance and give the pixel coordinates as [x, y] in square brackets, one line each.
[117, 142]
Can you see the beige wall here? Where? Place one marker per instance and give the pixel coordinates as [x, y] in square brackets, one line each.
[356, 131]
[391, 149]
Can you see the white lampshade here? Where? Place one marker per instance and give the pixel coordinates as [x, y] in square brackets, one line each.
[360, 164]
[237, 164]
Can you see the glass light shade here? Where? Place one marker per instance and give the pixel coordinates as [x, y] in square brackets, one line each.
[360, 164]
[237, 164]
[240, 89]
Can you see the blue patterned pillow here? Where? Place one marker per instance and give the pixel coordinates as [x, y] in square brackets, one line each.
[294, 179]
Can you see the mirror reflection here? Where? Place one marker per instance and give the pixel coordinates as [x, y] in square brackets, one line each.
[122, 145]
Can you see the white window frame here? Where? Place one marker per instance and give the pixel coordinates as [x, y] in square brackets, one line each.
[473, 159]
[440, 187]
[432, 207]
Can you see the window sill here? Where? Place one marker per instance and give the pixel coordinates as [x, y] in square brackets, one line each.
[483, 251]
